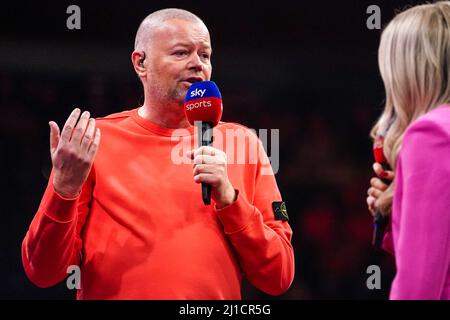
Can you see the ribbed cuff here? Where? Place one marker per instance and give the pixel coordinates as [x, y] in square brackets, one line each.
[237, 215]
[57, 207]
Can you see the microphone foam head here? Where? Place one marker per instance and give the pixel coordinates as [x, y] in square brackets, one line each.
[203, 102]
[378, 150]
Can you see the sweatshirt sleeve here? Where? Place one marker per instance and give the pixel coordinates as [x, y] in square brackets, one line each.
[262, 243]
[53, 240]
[421, 221]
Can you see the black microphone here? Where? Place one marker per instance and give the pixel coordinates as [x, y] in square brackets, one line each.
[205, 138]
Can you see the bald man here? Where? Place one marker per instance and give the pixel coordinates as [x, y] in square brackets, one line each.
[133, 221]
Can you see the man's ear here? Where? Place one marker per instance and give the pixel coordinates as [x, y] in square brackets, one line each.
[138, 60]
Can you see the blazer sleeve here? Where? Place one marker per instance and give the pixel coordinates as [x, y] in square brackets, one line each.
[421, 221]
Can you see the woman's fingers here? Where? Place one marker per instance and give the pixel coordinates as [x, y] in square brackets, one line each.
[376, 193]
[371, 204]
[377, 183]
[383, 174]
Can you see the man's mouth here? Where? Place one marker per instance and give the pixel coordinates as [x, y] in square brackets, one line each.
[192, 80]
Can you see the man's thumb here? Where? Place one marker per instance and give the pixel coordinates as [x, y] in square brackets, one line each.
[54, 136]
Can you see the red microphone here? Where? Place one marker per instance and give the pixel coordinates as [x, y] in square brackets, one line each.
[203, 108]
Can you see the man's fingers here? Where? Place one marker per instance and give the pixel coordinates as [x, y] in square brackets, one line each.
[54, 136]
[70, 125]
[207, 159]
[206, 150]
[79, 130]
[204, 168]
[95, 143]
[88, 135]
[206, 178]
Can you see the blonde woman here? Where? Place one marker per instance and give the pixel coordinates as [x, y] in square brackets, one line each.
[414, 60]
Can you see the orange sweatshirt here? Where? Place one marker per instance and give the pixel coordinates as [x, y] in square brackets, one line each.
[139, 229]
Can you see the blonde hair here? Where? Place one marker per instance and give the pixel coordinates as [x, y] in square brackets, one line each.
[414, 61]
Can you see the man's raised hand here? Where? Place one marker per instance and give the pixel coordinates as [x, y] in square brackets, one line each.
[73, 152]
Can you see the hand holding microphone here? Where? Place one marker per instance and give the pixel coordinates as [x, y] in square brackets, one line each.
[210, 169]
[203, 108]
[378, 186]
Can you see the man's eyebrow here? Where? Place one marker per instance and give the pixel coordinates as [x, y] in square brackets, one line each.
[188, 44]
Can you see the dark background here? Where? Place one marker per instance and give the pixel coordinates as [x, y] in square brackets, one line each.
[306, 68]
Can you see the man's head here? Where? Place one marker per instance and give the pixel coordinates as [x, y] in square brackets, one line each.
[172, 50]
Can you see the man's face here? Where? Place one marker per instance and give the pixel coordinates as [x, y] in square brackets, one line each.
[179, 54]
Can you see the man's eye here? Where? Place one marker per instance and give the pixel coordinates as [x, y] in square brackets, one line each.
[180, 53]
[205, 56]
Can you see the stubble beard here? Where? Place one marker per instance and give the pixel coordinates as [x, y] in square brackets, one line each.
[169, 96]
[173, 95]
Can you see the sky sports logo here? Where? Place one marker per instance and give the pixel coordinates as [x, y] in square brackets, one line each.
[198, 92]
[198, 104]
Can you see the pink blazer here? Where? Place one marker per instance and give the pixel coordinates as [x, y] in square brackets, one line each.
[420, 229]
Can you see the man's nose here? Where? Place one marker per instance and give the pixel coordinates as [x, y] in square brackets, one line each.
[195, 63]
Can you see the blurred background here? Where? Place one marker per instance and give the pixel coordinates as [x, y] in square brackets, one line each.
[308, 69]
